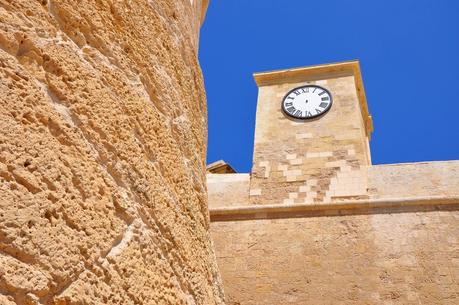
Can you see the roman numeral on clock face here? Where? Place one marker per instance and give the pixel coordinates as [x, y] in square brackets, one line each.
[298, 113]
[291, 110]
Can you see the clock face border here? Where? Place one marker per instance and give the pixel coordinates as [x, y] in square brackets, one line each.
[313, 117]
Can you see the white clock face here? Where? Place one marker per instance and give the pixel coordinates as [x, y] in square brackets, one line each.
[307, 102]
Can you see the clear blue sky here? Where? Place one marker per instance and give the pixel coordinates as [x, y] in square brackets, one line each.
[408, 51]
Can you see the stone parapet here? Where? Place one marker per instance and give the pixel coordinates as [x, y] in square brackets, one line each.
[227, 190]
[413, 183]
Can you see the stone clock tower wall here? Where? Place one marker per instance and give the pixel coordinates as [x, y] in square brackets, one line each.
[316, 223]
[102, 154]
[295, 163]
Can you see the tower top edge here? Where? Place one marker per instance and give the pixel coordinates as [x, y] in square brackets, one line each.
[265, 78]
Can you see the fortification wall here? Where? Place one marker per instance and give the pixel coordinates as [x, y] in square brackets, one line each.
[385, 258]
[228, 190]
[422, 181]
[102, 154]
[399, 246]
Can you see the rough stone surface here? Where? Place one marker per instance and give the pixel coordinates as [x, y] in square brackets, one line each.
[102, 149]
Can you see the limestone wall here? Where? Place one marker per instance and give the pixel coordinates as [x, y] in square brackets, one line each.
[404, 258]
[411, 180]
[398, 182]
[102, 154]
[293, 163]
[398, 246]
[228, 190]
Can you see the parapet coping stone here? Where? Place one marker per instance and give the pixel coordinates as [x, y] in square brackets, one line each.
[337, 208]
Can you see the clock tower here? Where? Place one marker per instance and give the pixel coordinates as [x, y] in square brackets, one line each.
[312, 159]
[311, 137]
